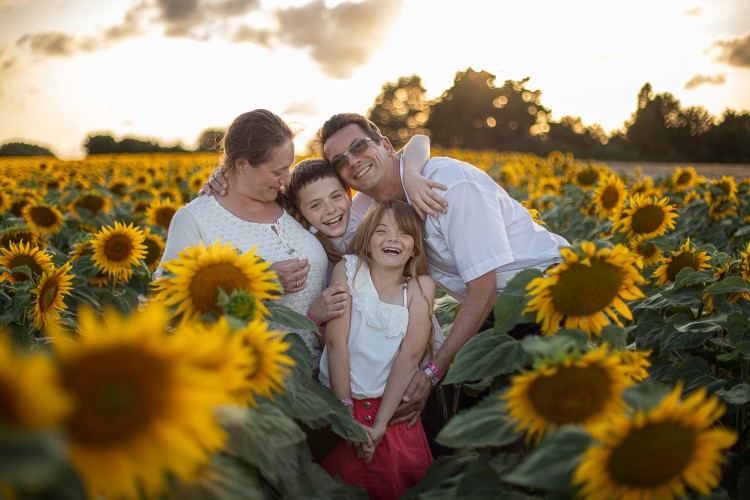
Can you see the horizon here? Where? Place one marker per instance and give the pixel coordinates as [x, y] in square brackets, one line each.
[166, 70]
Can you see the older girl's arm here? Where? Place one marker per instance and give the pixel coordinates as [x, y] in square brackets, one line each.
[418, 187]
[336, 339]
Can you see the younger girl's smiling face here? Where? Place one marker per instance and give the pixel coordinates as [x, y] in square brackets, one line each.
[391, 245]
[325, 205]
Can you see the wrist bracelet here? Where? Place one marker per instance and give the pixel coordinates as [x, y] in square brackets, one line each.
[434, 380]
[434, 369]
[347, 402]
[314, 320]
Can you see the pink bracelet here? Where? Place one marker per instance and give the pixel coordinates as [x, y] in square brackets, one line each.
[317, 323]
[434, 370]
[347, 402]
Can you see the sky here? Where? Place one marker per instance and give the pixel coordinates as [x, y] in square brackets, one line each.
[166, 70]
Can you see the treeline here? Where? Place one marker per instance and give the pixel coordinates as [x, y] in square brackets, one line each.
[477, 114]
[106, 144]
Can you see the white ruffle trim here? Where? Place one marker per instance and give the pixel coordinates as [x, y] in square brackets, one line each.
[389, 319]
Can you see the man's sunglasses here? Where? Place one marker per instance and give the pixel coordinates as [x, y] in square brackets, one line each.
[356, 149]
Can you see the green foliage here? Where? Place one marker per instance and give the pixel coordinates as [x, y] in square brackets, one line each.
[106, 144]
[24, 149]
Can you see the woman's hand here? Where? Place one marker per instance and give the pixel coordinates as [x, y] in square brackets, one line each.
[331, 303]
[292, 274]
[420, 191]
[216, 184]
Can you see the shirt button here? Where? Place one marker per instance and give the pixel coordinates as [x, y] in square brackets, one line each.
[368, 418]
[367, 405]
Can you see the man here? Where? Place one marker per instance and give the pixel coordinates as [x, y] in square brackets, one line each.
[475, 247]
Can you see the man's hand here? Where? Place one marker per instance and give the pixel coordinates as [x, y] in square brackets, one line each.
[413, 401]
[215, 185]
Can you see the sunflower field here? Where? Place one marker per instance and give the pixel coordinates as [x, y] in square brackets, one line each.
[114, 385]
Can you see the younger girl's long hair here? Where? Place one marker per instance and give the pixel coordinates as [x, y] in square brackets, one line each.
[304, 173]
[407, 219]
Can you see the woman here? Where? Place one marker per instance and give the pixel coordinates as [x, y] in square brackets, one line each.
[257, 153]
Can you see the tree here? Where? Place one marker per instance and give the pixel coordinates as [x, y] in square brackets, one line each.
[106, 144]
[401, 110]
[476, 114]
[210, 140]
[24, 149]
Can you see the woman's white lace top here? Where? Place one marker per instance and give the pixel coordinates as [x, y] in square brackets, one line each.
[205, 220]
[375, 335]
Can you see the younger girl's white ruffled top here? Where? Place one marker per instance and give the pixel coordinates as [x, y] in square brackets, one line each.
[375, 335]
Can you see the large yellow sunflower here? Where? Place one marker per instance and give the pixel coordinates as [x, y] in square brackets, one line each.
[19, 234]
[722, 208]
[251, 362]
[585, 289]
[587, 176]
[722, 189]
[44, 218]
[161, 211]
[685, 256]
[118, 248]
[30, 391]
[196, 275]
[609, 196]
[24, 254]
[580, 390]
[142, 409]
[647, 217]
[50, 292]
[657, 453]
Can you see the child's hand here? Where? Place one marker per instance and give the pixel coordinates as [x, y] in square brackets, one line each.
[423, 197]
[330, 304]
[375, 433]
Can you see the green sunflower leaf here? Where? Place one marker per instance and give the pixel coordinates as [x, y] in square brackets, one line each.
[550, 466]
[485, 355]
[286, 316]
[486, 424]
[512, 301]
[732, 284]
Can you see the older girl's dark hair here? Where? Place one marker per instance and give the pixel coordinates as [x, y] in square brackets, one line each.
[254, 136]
[304, 173]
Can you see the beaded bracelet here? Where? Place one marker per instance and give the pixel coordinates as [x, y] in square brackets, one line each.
[434, 379]
[434, 370]
[347, 402]
[314, 320]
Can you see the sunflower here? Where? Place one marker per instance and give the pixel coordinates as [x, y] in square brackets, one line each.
[47, 219]
[171, 192]
[252, 361]
[646, 218]
[143, 409]
[4, 201]
[685, 256]
[585, 288]
[609, 196]
[30, 392]
[23, 254]
[198, 272]
[722, 208]
[587, 177]
[722, 189]
[635, 363]
[94, 202]
[160, 212]
[647, 252]
[154, 249]
[118, 249]
[21, 199]
[535, 215]
[579, 390]
[657, 453]
[19, 234]
[119, 186]
[50, 292]
[685, 178]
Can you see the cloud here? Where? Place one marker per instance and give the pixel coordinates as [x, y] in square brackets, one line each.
[305, 108]
[698, 80]
[734, 52]
[340, 38]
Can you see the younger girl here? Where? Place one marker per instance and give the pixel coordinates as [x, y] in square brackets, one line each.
[373, 349]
